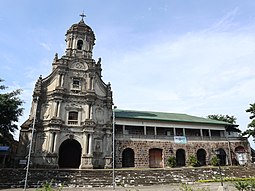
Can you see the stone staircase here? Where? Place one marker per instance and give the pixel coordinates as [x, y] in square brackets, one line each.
[14, 178]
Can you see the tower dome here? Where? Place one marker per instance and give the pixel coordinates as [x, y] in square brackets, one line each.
[80, 40]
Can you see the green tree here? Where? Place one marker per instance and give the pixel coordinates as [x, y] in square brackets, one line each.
[251, 126]
[225, 118]
[10, 110]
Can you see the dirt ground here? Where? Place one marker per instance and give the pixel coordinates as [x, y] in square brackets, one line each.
[171, 187]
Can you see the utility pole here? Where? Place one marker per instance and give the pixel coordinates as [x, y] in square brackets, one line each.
[30, 145]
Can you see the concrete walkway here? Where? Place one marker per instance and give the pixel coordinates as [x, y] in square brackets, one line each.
[171, 187]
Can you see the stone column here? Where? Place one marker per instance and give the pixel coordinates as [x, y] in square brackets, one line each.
[50, 141]
[59, 79]
[174, 131]
[58, 108]
[144, 130]
[86, 160]
[89, 111]
[155, 131]
[90, 144]
[91, 83]
[201, 133]
[123, 130]
[85, 150]
[53, 135]
[56, 142]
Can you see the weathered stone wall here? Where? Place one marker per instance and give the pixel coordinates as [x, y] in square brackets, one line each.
[14, 178]
[141, 149]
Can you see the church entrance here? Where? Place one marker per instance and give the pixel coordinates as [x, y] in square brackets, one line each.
[69, 154]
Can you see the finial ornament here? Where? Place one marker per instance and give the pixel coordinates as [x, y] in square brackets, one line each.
[82, 15]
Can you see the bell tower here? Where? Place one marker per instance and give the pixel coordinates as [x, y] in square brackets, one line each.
[73, 110]
[80, 40]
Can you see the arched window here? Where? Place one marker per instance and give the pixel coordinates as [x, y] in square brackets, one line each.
[73, 118]
[79, 44]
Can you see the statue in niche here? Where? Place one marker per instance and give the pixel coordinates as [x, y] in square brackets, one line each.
[98, 145]
[100, 115]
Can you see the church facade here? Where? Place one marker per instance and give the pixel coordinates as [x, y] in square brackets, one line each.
[72, 116]
[73, 109]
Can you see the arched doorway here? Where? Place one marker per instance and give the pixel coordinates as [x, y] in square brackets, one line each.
[155, 158]
[222, 156]
[69, 154]
[128, 158]
[201, 157]
[180, 157]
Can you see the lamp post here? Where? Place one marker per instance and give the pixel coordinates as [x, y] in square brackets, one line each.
[113, 147]
[217, 152]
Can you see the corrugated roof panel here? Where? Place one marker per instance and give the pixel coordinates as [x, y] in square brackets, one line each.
[161, 116]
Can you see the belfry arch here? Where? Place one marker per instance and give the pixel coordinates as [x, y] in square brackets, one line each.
[69, 154]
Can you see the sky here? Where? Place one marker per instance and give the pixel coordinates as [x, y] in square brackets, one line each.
[180, 56]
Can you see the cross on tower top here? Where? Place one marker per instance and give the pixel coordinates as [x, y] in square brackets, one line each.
[82, 15]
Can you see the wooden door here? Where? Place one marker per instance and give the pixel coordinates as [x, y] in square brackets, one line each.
[155, 158]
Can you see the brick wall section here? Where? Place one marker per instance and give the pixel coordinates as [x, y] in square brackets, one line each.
[141, 149]
[12, 178]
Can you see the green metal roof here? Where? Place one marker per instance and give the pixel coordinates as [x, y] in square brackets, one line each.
[161, 116]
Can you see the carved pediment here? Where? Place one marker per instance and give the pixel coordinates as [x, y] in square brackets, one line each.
[79, 66]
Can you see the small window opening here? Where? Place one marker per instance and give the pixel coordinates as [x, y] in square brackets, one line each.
[79, 44]
[73, 118]
[76, 83]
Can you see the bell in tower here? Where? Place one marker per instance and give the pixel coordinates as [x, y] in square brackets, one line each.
[80, 40]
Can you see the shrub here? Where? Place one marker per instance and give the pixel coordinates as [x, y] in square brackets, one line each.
[171, 161]
[48, 186]
[242, 185]
[193, 161]
[214, 161]
[252, 184]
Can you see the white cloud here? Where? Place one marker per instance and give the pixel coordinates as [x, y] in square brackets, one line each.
[45, 46]
[226, 22]
[198, 73]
